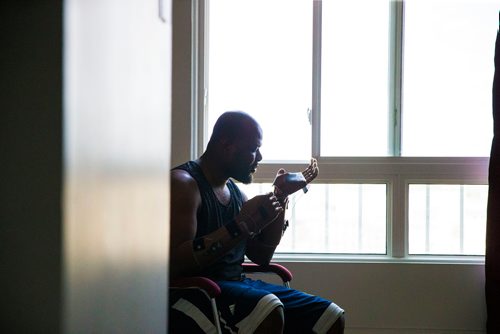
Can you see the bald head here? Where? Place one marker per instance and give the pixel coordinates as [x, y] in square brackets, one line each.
[233, 125]
[234, 148]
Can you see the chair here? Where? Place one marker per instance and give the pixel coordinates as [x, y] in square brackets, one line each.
[212, 290]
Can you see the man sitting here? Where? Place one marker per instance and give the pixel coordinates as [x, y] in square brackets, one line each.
[214, 225]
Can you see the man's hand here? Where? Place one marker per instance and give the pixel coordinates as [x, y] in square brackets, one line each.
[259, 212]
[287, 183]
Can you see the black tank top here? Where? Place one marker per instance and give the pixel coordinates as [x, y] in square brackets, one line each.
[211, 216]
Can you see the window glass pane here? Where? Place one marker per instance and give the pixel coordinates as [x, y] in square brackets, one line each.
[448, 73]
[334, 218]
[447, 219]
[354, 78]
[259, 61]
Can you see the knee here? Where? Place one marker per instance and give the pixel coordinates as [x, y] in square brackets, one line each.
[273, 323]
[338, 326]
[276, 317]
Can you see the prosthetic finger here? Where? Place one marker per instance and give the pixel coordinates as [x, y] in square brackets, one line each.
[311, 171]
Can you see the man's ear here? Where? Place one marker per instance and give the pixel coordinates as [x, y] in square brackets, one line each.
[227, 146]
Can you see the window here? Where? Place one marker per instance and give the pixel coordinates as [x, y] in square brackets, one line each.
[354, 105]
[264, 69]
[447, 60]
[447, 229]
[392, 97]
[334, 218]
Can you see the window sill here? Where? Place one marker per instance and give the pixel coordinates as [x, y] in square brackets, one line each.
[365, 258]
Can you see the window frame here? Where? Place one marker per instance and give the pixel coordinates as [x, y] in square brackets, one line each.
[395, 171]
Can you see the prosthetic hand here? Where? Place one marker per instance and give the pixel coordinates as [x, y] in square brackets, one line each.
[259, 212]
[255, 214]
[287, 183]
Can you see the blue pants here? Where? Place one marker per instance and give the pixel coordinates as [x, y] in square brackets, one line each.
[244, 304]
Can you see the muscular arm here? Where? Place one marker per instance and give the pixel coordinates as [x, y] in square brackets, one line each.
[190, 255]
[187, 256]
[261, 249]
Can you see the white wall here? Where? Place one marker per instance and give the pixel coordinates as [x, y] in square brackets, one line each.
[117, 161]
[400, 298]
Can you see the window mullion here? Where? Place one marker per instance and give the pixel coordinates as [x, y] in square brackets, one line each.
[397, 199]
[395, 79]
[316, 81]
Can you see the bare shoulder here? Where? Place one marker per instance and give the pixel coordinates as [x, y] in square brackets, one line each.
[185, 201]
[183, 185]
[180, 176]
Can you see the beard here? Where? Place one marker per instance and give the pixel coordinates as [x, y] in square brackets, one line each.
[243, 174]
[245, 178]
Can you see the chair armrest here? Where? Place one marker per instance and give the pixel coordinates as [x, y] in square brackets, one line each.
[206, 284]
[278, 269]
